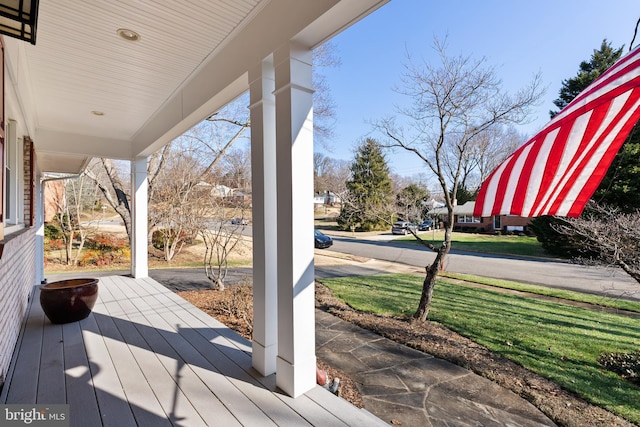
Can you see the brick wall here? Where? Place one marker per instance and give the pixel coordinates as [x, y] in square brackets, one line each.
[511, 220]
[17, 279]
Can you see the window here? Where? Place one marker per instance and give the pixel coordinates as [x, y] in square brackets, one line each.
[13, 178]
[7, 182]
[468, 219]
[497, 222]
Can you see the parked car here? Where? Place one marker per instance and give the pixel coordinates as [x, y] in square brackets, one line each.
[426, 225]
[240, 221]
[402, 227]
[322, 241]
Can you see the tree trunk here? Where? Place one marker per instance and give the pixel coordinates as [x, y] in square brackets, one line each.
[429, 283]
[118, 199]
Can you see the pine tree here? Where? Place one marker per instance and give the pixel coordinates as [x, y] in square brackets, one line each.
[601, 60]
[368, 204]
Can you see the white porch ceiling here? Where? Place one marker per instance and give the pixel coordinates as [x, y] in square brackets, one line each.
[191, 59]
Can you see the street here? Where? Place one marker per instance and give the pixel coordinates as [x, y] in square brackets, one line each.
[546, 272]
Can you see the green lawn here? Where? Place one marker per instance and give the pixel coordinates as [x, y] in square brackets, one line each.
[617, 303]
[558, 341]
[513, 245]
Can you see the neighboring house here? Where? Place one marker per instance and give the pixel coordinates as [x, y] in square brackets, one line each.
[221, 191]
[238, 199]
[329, 198]
[318, 201]
[465, 221]
[53, 198]
[122, 80]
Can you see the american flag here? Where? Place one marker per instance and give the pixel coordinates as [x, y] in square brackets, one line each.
[558, 170]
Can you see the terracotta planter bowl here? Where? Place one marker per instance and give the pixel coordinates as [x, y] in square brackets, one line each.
[68, 300]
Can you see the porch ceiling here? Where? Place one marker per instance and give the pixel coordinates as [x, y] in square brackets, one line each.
[191, 59]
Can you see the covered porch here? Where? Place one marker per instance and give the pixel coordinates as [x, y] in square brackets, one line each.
[119, 81]
[147, 357]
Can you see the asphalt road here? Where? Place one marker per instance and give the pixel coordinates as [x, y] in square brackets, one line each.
[552, 273]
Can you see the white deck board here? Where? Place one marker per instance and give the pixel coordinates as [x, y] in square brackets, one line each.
[146, 357]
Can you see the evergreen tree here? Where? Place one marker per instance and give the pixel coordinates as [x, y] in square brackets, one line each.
[621, 185]
[368, 203]
[601, 61]
[463, 195]
[411, 202]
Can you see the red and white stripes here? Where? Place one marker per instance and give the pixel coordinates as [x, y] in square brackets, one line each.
[558, 170]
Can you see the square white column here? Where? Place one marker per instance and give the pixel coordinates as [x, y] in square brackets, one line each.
[265, 228]
[295, 372]
[139, 223]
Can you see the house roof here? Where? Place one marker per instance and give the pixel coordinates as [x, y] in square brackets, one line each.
[86, 92]
[464, 209]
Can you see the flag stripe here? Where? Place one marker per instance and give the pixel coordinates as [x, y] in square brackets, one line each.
[559, 169]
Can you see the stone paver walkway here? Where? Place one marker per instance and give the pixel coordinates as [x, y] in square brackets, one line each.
[405, 386]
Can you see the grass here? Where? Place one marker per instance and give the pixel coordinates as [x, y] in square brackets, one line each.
[486, 243]
[559, 341]
[617, 303]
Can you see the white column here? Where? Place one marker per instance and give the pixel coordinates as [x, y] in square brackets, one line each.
[139, 249]
[296, 361]
[265, 231]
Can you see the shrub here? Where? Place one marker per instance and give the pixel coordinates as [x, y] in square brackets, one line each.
[53, 244]
[627, 365]
[52, 232]
[157, 239]
[239, 304]
[106, 242]
[105, 249]
[555, 243]
[160, 237]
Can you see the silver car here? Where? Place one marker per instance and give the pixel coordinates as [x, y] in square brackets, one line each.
[402, 227]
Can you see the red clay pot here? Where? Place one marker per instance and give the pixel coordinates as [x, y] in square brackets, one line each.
[68, 300]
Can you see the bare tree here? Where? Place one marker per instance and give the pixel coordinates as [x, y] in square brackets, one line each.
[236, 169]
[330, 175]
[607, 236]
[453, 105]
[108, 176]
[208, 142]
[76, 216]
[492, 148]
[324, 110]
[220, 238]
[176, 207]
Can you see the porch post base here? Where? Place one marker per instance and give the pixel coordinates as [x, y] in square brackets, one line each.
[264, 358]
[297, 379]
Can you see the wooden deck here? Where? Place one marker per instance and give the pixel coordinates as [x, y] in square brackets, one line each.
[146, 357]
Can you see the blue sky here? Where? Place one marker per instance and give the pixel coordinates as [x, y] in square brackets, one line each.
[518, 38]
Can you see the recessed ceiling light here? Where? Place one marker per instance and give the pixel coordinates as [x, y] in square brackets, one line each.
[128, 35]
[97, 113]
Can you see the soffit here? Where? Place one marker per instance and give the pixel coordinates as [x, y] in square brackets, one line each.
[147, 88]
